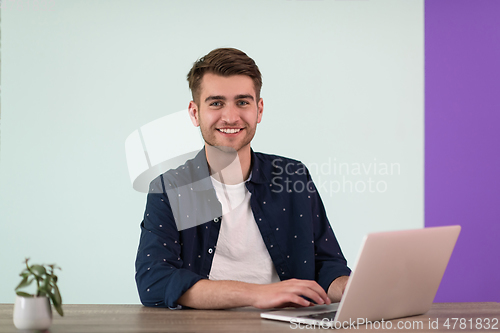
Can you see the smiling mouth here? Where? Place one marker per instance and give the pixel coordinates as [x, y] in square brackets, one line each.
[229, 130]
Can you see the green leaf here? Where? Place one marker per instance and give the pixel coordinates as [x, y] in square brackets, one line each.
[38, 270]
[59, 310]
[24, 283]
[53, 299]
[57, 303]
[46, 283]
[23, 294]
[57, 294]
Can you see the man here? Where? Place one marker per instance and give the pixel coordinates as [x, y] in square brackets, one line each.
[243, 235]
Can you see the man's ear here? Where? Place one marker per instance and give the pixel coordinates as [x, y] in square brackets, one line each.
[260, 110]
[194, 113]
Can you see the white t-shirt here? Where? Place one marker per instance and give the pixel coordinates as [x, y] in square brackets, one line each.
[240, 254]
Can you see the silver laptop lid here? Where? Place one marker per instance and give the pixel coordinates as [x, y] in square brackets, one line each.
[397, 273]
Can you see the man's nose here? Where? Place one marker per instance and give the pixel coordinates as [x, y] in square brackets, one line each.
[230, 114]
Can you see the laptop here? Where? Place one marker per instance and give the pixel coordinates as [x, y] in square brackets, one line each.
[397, 275]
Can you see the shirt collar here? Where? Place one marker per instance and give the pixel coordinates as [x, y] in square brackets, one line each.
[202, 174]
[258, 175]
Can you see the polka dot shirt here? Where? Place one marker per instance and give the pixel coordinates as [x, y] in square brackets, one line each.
[287, 209]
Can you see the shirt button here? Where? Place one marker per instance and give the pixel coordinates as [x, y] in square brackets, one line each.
[216, 219]
[210, 251]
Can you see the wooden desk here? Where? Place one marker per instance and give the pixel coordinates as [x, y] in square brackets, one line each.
[136, 318]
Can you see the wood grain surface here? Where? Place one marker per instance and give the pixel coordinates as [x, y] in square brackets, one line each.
[87, 318]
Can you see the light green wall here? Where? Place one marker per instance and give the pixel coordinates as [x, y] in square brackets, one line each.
[343, 82]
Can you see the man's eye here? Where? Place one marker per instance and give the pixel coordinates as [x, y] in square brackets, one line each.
[215, 104]
[243, 103]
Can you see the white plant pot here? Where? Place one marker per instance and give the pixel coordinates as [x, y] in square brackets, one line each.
[32, 313]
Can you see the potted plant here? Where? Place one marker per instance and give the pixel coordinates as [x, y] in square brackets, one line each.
[33, 311]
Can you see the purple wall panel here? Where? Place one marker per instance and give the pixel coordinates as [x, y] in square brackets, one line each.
[462, 141]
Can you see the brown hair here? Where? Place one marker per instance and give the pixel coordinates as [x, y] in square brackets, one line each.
[224, 62]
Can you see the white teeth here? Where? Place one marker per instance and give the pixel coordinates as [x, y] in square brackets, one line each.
[229, 130]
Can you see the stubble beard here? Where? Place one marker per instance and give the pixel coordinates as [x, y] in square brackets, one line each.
[211, 140]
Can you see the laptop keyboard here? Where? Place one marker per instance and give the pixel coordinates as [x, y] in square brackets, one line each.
[328, 315]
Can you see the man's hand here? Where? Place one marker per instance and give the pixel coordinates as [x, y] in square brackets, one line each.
[337, 288]
[287, 293]
[208, 294]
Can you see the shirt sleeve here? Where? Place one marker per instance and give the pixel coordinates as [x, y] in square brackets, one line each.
[160, 278]
[329, 260]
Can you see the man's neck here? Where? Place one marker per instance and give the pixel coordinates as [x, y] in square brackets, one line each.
[229, 167]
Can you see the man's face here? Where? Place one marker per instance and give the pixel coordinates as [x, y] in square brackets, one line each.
[227, 111]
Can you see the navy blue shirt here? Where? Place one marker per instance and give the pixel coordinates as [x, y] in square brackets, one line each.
[182, 221]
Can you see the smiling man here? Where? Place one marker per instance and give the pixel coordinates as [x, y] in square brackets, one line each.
[226, 229]
[231, 111]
